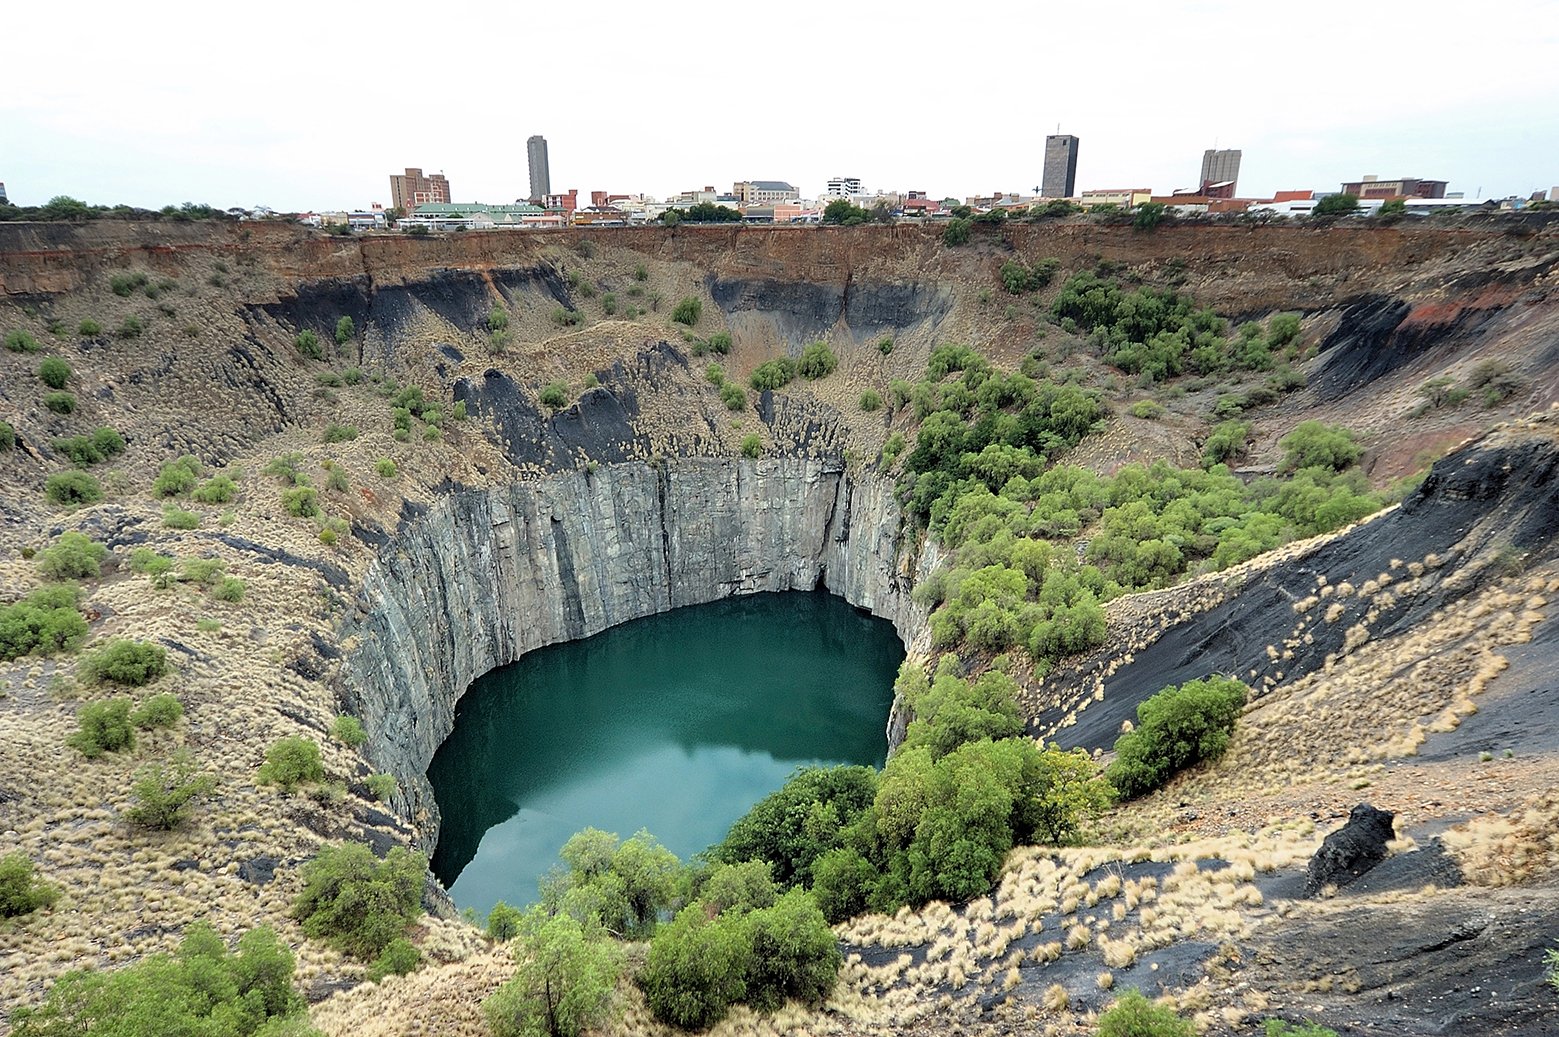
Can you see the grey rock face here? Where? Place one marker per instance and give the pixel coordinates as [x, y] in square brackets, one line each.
[485, 576]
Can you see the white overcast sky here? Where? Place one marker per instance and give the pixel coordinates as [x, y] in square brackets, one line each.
[312, 105]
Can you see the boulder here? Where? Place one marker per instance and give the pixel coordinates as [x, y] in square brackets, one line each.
[1352, 850]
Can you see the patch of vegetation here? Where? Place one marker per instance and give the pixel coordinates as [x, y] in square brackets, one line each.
[383, 786]
[346, 330]
[1336, 205]
[358, 903]
[7, 435]
[104, 443]
[1133, 1015]
[21, 890]
[871, 400]
[335, 433]
[288, 468]
[89, 328]
[219, 489]
[386, 468]
[555, 394]
[301, 502]
[103, 727]
[290, 762]
[774, 374]
[564, 980]
[732, 396]
[131, 327]
[1019, 279]
[1314, 444]
[202, 989]
[1176, 728]
[43, 623]
[165, 794]
[566, 317]
[497, 318]
[1147, 409]
[74, 556]
[619, 885]
[159, 711]
[127, 284]
[231, 590]
[69, 489]
[1279, 1028]
[400, 957]
[348, 730]
[503, 922]
[817, 361]
[60, 402]
[957, 231]
[132, 664]
[752, 446]
[1226, 442]
[687, 311]
[18, 340]
[177, 477]
[54, 372]
[178, 518]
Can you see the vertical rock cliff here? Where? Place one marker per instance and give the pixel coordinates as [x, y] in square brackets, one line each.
[485, 576]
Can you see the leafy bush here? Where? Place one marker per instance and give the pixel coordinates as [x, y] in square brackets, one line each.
[124, 662]
[565, 317]
[147, 562]
[7, 435]
[1147, 409]
[793, 954]
[349, 731]
[125, 285]
[336, 480]
[696, 969]
[178, 518]
[200, 990]
[287, 467]
[738, 887]
[230, 590]
[357, 903]
[1278, 1028]
[871, 400]
[386, 468]
[103, 727]
[71, 488]
[621, 886]
[219, 489]
[44, 622]
[60, 402]
[1336, 205]
[131, 327]
[382, 786]
[688, 311]
[89, 328]
[817, 361]
[290, 762]
[719, 342]
[563, 984]
[752, 446]
[497, 318]
[162, 710]
[308, 344]
[555, 394]
[166, 793]
[776, 829]
[20, 341]
[885, 345]
[1226, 442]
[73, 556]
[177, 477]
[957, 232]
[1133, 1015]
[503, 922]
[398, 958]
[301, 502]
[346, 330]
[1176, 728]
[21, 890]
[1314, 444]
[101, 445]
[335, 433]
[732, 396]
[774, 374]
[54, 372]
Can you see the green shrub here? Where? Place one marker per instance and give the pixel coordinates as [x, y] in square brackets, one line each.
[54, 372]
[7, 435]
[132, 664]
[166, 793]
[178, 518]
[287, 467]
[457, 410]
[1146, 409]
[565, 317]
[357, 903]
[738, 888]
[733, 396]
[640, 273]
[44, 622]
[73, 556]
[89, 328]
[714, 374]
[1551, 960]
[687, 311]
[563, 984]
[719, 342]
[177, 477]
[290, 762]
[398, 958]
[230, 590]
[503, 922]
[349, 731]
[19, 341]
[871, 400]
[163, 710]
[1133, 1015]
[219, 489]
[885, 345]
[336, 480]
[1176, 728]
[204, 571]
[340, 433]
[497, 318]
[346, 330]
[308, 345]
[793, 954]
[1313, 444]
[60, 402]
[102, 444]
[131, 327]
[103, 727]
[21, 890]
[71, 488]
[696, 969]
[200, 990]
[383, 786]
[775, 830]
[386, 468]
[773, 374]
[956, 232]
[125, 285]
[147, 562]
[301, 502]
[752, 445]
[817, 361]
[1226, 442]
[555, 394]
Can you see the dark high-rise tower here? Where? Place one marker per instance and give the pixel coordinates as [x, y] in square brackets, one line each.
[1060, 166]
[1220, 167]
[540, 174]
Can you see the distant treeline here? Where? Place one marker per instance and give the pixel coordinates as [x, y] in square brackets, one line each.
[64, 208]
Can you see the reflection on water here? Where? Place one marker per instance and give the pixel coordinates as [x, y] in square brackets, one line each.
[676, 723]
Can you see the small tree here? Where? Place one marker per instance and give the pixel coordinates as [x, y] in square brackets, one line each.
[166, 793]
[126, 662]
[1149, 215]
[177, 477]
[503, 922]
[555, 395]
[1336, 205]
[103, 727]
[752, 446]
[68, 489]
[74, 556]
[21, 891]
[349, 731]
[1314, 444]
[358, 903]
[308, 344]
[346, 330]
[817, 361]
[290, 762]
[956, 232]
[688, 311]
[162, 710]
[696, 969]
[563, 984]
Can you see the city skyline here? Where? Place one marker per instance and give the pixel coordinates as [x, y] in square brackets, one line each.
[1491, 123]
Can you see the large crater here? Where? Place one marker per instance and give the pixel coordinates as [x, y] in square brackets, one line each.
[484, 576]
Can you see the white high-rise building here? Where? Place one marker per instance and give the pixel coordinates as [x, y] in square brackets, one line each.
[844, 187]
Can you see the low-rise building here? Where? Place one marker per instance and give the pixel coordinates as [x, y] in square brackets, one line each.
[764, 192]
[1125, 197]
[1403, 187]
[476, 216]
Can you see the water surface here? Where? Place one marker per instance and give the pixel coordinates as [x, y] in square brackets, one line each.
[676, 723]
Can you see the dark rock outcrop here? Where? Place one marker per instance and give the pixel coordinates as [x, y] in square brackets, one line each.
[1352, 850]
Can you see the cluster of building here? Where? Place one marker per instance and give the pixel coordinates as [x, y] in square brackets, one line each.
[425, 200]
